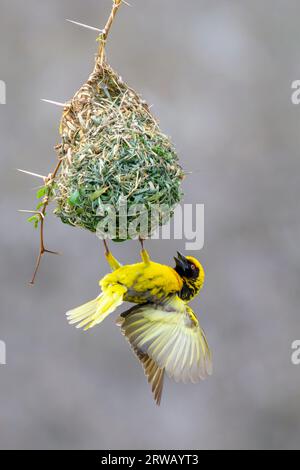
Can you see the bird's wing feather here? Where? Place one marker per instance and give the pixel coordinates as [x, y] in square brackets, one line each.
[172, 337]
[154, 374]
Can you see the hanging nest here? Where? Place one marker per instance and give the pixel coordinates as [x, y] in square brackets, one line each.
[112, 154]
[113, 151]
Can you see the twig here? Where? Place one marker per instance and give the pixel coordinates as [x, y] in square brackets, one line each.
[42, 214]
[51, 178]
[103, 37]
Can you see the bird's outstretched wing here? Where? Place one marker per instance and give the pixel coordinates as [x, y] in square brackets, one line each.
[170, 336]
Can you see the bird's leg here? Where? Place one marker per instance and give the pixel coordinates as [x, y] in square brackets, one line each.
[144, 253]
[141, 240]
[113, 263]
[106, 248]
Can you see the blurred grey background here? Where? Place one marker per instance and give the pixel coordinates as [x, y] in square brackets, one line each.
[219, 74]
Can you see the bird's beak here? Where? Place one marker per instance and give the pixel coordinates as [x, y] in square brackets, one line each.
[182, 264]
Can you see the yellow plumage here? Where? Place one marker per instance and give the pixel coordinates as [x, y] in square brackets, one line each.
[137, 283]
[91, 314]
[162, 329]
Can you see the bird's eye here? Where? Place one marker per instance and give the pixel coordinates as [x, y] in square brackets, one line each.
[193, 267]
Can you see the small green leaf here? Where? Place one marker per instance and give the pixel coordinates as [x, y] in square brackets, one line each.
[35, 220]
[40, 204]
[41, 192]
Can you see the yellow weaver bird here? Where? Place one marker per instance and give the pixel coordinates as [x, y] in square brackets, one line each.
[162, 329]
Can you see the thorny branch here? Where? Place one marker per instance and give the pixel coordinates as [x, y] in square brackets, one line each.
[50, 180]
[103, 37]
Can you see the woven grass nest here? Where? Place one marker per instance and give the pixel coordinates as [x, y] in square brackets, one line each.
[112, 154]
[113, 151]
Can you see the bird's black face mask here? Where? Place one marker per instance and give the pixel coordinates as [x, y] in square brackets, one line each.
[185, 268]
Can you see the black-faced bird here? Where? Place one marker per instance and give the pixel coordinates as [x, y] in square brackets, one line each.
[162, 329]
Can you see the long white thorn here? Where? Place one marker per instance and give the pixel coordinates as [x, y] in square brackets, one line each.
[56, 103]
[32, 212]
[86, 26]
[31, 174]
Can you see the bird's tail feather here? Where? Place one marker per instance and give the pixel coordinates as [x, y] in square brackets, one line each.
[94, 312]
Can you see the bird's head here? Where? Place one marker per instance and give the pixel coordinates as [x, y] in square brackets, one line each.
[192, 273]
